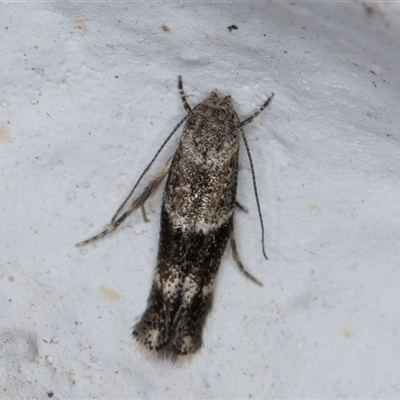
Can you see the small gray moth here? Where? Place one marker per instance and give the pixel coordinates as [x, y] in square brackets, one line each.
[196, 222]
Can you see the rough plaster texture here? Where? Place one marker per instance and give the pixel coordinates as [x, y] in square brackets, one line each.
[89, 92]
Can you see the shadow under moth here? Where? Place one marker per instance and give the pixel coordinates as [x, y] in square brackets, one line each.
[197, 213]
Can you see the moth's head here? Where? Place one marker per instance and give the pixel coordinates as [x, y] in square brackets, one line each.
[219, 102]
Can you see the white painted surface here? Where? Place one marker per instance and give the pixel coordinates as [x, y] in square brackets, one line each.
[89, 92]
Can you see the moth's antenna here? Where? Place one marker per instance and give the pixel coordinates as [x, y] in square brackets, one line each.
[255, 192]
[147, 168]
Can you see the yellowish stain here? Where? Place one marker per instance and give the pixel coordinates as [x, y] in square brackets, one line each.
[348, 332]
[80, 26]
[109, 294]
[5, 134]
[312, 205]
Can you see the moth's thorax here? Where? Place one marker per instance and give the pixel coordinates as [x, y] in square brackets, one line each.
[201, 189]
[211, 131]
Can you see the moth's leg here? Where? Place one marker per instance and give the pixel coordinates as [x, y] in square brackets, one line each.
[237, 259]
[149, 191]
[144, 215]
[186, 105]
[240, 207]
[257, 113]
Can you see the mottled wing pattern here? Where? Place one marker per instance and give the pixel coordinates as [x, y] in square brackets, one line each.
[196, 221]
[182, 291]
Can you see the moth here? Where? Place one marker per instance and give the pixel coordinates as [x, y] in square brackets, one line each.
[197, 220]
